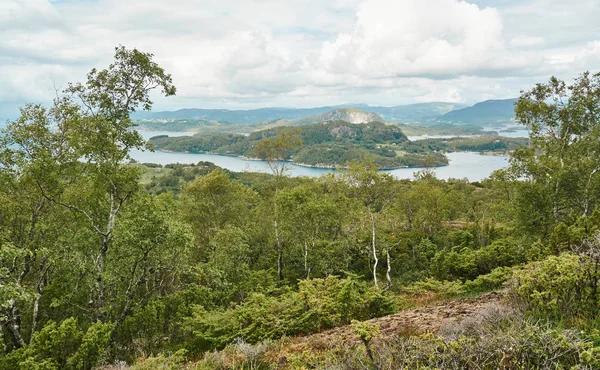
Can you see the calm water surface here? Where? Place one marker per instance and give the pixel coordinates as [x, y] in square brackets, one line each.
[472, 166]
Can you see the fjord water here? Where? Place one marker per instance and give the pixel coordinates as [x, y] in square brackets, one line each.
[472, 166]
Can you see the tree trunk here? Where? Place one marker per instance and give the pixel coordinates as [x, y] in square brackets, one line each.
[40, 290]
[306, 269]
[98, 300]
[3, 341]
[14, 326]
[388, 279]
[14, 320]
[374, 251]
[586, 200]
[101, 262]
[279, 252]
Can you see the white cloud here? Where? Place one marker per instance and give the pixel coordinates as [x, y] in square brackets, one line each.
[249, 53]
[526, 41]
[28, 14]
[416, 38]
[582, 58]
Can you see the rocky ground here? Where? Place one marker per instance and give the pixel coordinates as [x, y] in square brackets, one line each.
[426, 319]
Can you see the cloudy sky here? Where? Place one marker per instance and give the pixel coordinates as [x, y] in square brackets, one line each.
[256, 53]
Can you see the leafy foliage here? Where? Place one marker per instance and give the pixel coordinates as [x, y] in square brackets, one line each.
[62, 346]
[97, 268]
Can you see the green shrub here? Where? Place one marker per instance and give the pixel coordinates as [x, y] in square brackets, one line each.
[559, 286]
[444, 289]
[318, 304]
[92, 349]
[466, 263]
[492, 281]
[62, 346]
[451, 289]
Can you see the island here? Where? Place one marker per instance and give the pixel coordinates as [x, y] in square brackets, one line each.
[334, 144]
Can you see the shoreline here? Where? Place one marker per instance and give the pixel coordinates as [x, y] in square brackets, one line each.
[306, 165]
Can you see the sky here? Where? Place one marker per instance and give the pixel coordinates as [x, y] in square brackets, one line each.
[244, 54]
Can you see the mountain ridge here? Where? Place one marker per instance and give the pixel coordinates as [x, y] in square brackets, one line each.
[400, 113]
[485, 112]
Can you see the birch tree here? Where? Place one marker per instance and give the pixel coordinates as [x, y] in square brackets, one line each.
[563, 159]
[71, 157]
[276, 152]
[374, 191]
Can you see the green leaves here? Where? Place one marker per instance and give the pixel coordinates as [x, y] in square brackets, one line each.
[61, 346]
[213, 202]
[125, 85]
[67, 186]
[564, 152]
[276, 150]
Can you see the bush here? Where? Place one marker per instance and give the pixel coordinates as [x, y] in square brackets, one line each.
[492, 281]
[318, 304]
[443, 289]
[451, 289]
[62, 346]
[466, 263]
[559, 286]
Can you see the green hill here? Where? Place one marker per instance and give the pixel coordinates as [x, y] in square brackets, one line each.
[487, 112]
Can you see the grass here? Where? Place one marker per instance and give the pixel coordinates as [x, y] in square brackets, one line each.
[148, 174]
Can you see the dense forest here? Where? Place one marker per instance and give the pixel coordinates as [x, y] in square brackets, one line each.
[102, 265]
[486, 143]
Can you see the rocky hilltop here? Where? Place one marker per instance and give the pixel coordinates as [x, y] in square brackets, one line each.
[351, 115]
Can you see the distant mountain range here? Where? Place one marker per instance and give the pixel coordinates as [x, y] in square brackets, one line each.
[403, 113]
[235, 116]
[483, 113]
[413, 112]
[487, 112]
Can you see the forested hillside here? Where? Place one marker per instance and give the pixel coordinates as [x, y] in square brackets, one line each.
[103, 266]
[485, 113]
